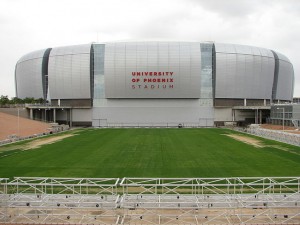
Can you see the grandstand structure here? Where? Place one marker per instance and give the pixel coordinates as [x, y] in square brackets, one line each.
[246, 200]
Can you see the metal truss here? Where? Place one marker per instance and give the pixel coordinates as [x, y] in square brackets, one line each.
[211, 200]
[61, 200]
[3, 198]
[247, 200]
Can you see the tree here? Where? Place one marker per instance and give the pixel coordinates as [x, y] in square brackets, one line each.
[4, 100]
[29, 100]
[16, 100]
[40, 100]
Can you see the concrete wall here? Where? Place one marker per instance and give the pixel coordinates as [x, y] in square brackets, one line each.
[160, 112]
[82, 115]
[241, 115]
[14, 111]
[223, 114]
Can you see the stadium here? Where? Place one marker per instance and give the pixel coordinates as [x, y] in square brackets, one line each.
[165, 84]
[149, 175]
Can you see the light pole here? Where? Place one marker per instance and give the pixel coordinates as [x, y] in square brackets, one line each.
[282, 117]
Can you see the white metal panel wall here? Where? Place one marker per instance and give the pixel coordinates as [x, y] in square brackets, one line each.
[243, 72]
[69, 72]
[285, 84]
[124, 107]
[182, 59]
[29, 75]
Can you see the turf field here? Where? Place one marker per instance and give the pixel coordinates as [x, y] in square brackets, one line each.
[146, 152]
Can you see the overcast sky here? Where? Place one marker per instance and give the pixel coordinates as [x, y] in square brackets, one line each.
[28, 25]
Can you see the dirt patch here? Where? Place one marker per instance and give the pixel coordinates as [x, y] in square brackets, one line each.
[257, 143]
[9, 150]
[45, 141]
[248, 140]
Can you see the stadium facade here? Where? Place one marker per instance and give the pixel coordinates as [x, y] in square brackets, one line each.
[154, 83]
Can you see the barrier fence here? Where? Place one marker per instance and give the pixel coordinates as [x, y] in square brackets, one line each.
[203, 122]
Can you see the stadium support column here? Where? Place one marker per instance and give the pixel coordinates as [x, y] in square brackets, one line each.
[70, 117]
[256, 116]
[54, 115]
[31, 114]
[260, 116]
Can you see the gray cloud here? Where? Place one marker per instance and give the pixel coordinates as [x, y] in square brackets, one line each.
[33, 24]
[231, 8]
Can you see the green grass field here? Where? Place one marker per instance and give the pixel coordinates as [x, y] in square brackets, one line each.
[150, 153]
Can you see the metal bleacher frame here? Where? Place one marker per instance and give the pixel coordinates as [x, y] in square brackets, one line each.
[247, 200]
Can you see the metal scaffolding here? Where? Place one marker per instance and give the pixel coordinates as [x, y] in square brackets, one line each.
[244, 200]
[61, 200]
